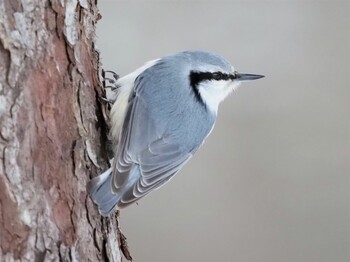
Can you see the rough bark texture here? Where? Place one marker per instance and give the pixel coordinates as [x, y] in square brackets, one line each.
[51, 133]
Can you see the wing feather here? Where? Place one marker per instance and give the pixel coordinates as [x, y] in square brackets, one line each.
[158, 158]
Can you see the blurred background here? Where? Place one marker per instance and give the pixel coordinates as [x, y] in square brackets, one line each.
[272, 182]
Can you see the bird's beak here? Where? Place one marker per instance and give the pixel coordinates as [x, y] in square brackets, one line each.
[247, 77]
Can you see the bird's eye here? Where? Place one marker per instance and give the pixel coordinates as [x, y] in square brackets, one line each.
[217, 76]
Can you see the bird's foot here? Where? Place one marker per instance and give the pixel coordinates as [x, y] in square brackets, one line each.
[109, 82]
[106, 100]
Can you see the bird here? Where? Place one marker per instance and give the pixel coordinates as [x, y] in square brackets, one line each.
[161, 115]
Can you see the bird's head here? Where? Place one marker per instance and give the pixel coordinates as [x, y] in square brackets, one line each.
[212, 78]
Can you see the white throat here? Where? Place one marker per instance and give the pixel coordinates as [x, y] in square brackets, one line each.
[213, 92]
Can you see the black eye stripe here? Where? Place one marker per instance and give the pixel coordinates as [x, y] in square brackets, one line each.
[197, 77]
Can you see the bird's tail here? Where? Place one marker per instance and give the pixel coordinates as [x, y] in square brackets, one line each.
[100, 191]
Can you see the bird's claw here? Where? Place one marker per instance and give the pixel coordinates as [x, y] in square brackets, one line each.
[111, 80]
[105, 99]
[115, 75]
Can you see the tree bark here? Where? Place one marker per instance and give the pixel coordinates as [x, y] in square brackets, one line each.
[52, 133]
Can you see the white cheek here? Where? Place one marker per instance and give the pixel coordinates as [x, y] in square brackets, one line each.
[213, 92]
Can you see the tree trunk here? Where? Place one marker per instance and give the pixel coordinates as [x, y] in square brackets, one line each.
[52, 133]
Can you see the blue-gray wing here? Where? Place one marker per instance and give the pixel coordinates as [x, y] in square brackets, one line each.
[156, 166]
[147, 156]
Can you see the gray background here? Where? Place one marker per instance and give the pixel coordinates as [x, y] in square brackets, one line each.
[272, 182]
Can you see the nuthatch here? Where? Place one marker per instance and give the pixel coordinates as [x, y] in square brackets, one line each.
[162, 114]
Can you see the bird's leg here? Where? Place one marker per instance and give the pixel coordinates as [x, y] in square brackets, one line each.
[109, 83]
[115, 75]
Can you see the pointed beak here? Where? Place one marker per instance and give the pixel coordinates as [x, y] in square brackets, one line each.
[247, 77]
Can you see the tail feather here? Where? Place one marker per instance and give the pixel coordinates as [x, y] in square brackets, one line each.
[100, 191]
